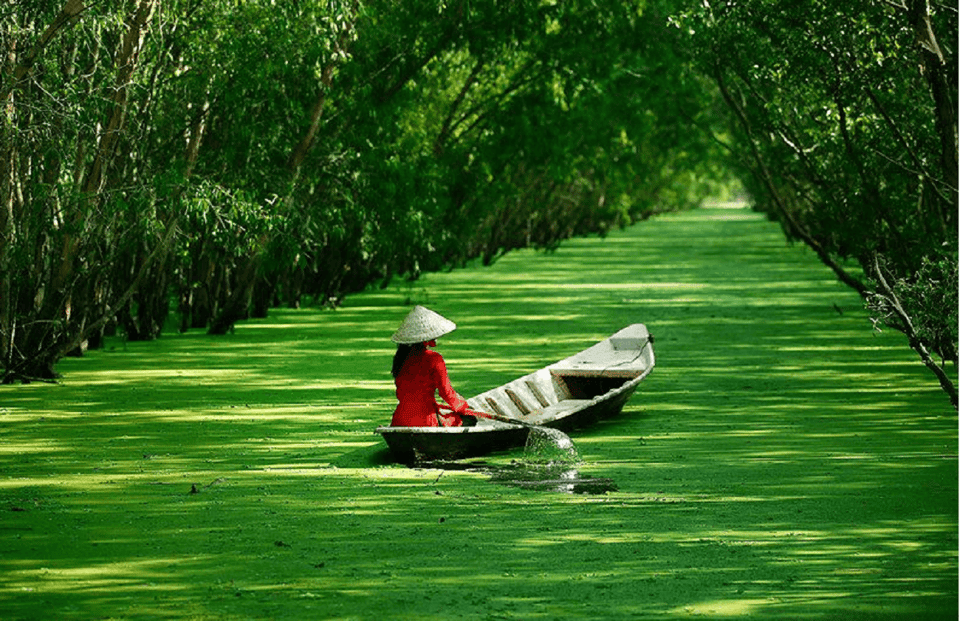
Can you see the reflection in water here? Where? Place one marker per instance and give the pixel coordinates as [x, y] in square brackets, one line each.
[543, 477]
[549, 464]
[550, 477]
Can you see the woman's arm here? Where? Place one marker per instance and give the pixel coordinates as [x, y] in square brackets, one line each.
[444, 387]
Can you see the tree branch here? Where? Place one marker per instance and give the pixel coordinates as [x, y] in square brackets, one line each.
[448, 126]
[303, 147]
[916, 343]
[109, 311]
[68, 16]
[767, 179]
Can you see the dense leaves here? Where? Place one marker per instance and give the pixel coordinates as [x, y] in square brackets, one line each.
[845, 126]
[236, 155]
[233, 155]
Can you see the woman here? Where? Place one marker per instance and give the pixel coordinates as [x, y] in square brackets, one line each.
[420, 372]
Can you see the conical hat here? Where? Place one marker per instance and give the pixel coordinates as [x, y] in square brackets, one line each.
[421, 325]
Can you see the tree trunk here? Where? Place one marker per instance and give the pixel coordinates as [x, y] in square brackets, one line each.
[943, 89]
[237, 305]
[303, 147]
[68, 15]
[766, 178]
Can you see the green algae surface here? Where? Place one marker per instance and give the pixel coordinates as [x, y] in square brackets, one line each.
[783, 460]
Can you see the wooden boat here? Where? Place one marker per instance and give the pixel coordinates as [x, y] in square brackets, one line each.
[572, 393]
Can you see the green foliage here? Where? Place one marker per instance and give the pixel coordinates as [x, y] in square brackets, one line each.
[845, 123]
[76, 202]
[245, 154]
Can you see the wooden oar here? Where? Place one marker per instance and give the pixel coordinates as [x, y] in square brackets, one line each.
[555, 434]
[499, 417]
[558, 440]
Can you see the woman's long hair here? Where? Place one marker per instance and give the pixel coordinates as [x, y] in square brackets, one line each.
[403, 352]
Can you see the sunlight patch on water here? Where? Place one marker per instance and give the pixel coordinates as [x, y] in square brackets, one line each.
[633, 285]
[20, 448]
[724, 608]
[125, 377]
[116, 575]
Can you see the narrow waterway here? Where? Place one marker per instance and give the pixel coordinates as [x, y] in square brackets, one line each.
[784, 460]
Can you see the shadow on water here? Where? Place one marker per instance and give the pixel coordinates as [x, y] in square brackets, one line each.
[551, 477]
[550, 463]
[782, 461]
[535, 476]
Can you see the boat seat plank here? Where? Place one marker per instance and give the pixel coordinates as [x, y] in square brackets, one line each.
[596, 370]
[558, 410]
[495, 406]
[538, 415]
[518, 401]
[548, 391]
[537, 393]
[512, 400]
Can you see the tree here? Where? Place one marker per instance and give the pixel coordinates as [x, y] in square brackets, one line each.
[845, 125]
[66, 197]
[232, 155]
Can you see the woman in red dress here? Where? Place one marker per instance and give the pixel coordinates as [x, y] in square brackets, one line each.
[420, 373]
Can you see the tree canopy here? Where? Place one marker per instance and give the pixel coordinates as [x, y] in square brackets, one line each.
[846, 132]
[225, 156]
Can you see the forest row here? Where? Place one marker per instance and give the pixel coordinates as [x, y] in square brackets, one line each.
[196, 162]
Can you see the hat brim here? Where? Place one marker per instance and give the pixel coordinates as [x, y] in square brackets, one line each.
[422, 325]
